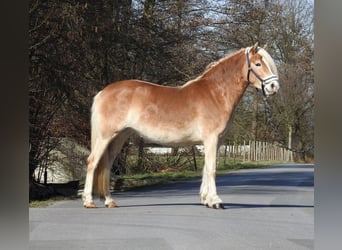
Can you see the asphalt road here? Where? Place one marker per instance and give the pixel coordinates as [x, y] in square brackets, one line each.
[269, 208]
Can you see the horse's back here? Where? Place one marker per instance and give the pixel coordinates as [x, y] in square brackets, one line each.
[142, 93]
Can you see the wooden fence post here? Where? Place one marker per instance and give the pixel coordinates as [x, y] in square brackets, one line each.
[244, 150]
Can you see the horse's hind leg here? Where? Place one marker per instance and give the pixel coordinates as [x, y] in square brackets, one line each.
[113, 151]
[92, 163]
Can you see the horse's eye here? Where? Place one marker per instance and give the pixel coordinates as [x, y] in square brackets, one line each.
[258, 64]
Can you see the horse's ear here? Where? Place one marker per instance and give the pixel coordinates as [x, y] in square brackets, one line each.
[254, 49]
[265, 46]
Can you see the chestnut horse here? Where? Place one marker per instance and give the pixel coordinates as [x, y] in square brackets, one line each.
[195, 113]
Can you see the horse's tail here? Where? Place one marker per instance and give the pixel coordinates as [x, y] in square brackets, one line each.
[102, 170]
[101, 176]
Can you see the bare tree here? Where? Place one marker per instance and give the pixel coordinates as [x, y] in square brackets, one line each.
[295, 51]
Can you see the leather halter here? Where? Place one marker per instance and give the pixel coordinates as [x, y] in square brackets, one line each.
[265, 81]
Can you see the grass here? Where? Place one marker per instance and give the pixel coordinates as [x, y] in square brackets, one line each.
[237, 165]
[138, 180]
[48, 202]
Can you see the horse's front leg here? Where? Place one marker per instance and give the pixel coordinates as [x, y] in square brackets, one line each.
[208, 192]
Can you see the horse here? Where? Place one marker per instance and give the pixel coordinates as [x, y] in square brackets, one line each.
[198, 112]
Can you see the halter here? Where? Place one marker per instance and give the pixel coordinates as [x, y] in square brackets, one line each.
[265, 81]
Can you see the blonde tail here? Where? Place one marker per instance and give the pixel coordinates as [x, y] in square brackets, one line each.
[101, 177]
[102, 171]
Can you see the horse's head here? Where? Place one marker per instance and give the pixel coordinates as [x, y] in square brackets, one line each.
[262, 72]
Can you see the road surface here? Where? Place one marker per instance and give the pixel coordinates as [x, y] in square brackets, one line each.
[267, 208]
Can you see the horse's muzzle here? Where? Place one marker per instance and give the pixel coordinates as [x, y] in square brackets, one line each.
[271, 88]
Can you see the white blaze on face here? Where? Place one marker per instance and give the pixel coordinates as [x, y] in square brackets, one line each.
[272, 86]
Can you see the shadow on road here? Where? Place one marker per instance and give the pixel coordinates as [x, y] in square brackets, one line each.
[255, 181]
[296, 166]
[269, 176]
[226, 205]
[241, 205]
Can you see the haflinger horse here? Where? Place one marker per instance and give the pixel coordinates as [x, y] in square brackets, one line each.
[194, 113]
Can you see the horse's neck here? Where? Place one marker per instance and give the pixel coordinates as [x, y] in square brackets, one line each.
[227, 76]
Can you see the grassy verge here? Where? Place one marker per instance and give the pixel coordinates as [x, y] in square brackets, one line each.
[237, 165]
[127, 182]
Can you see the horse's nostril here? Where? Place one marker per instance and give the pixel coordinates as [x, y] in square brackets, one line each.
[272, 85]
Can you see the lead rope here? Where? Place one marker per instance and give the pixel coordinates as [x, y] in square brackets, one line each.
[279, 139]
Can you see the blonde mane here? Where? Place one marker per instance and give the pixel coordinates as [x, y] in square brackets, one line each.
[211, 66]
[266, 56]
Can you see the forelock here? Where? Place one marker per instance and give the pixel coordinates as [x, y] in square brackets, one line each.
[269, 60]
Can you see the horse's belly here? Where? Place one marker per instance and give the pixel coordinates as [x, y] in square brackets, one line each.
[170, 136]
[164, 126]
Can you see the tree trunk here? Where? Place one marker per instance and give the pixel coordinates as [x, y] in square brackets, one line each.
[290, 156]
[254, 116]
[148, 11]
[140, 154]
[194, 157]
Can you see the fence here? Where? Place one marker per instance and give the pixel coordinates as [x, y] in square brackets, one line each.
[256, 151]
[247, 151]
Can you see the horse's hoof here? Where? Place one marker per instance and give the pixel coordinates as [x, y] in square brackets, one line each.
[111, 204]
[215, 206]
[90, 205]
[218, 206]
